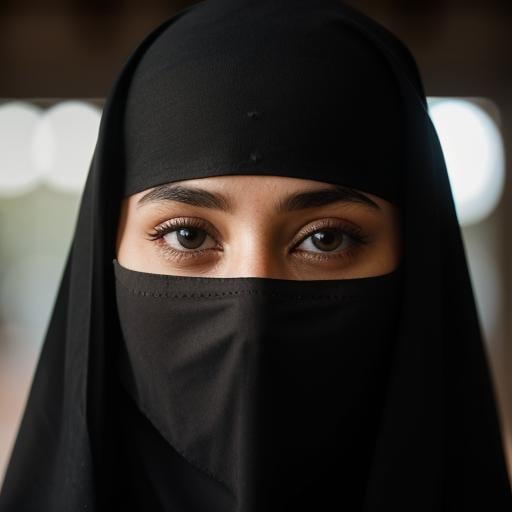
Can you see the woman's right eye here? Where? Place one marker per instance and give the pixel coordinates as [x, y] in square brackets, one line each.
[190, 238]
[182, 238]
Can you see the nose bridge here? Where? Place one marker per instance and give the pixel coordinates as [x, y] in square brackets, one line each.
[256, 252]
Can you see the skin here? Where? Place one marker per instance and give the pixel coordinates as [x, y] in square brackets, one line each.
[257, 241]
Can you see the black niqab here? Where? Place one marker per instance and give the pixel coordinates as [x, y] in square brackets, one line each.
[398, 414]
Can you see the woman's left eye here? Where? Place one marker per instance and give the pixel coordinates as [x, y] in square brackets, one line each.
[184, 238]
[327, 240]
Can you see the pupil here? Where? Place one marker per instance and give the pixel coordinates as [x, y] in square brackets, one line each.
[329, 238]
[186, 238]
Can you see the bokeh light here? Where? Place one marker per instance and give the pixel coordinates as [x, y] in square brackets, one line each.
[64, 142]
[18, 174]
[473, 149]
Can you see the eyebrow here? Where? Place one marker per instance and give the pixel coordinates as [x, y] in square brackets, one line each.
[294, 202]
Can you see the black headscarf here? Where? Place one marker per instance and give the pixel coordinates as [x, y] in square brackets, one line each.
[243, 394]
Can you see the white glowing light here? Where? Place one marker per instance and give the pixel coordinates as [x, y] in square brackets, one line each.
[474, 154]
[18, 174]
[64, 143]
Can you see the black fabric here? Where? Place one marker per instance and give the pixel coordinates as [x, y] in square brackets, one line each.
[225, 89]
[272, 387]
[154, 475]
[337, 99]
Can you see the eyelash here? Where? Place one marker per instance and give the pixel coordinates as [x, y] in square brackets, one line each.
[355, 234]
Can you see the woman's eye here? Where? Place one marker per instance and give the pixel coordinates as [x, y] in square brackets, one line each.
[327, 240]
[188, 238]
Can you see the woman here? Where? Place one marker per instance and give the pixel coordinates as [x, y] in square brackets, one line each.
[266, 304]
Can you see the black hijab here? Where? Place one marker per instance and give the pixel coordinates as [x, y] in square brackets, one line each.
[399, 414]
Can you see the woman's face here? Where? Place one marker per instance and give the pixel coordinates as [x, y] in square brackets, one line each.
[258, 226]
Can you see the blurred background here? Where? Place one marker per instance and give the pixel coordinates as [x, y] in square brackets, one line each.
[58, 61]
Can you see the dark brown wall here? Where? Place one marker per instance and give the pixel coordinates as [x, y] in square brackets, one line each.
[76, 48]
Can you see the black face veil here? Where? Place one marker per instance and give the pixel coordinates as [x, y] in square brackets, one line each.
[160, 392]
